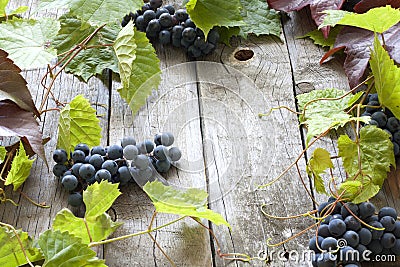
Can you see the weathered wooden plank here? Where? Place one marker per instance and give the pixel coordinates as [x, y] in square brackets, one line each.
[243, 151]
[174, 108]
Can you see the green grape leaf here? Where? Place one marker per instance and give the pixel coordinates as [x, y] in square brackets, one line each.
[28, 42]
[191, 202]
[125, 49]
[11, 253]
[322, 115]
[259, 19]
[91, 61]
[387, 78]
[3, 154]
[4, 12]
[225, 34]
[20, 168]
[318, 37]
[378, 19]
[319, 162]
[61, 249]
[145, 74]
[94, 12]
[357, 192]
[100, 227]
[99, 197]
[209, 13]
[376, 154]
[78, 124]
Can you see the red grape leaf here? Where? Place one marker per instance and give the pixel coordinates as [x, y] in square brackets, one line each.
[317, 8]
[15, 121]
[357, 44]
[365, 5]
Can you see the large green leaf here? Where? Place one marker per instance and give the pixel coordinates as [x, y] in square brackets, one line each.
[145, 74]
[319, 162]
[20, 168]
[78, 124]
[10, 249]
[387, 78]
[259, 18]
[358, 192]
[376, 154]
[95, 12]
[125, 49]
[378, 19]
[28, 42]
[322, 115]
[192, 202]
[318, 37]
[100, 227]
[62, 249]
[89, 61]
[99, 197]
[209, 13]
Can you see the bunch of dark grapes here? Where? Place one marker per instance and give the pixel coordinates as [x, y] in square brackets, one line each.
[344, 241]
[121, 163]
[383, 119]
[168, 26]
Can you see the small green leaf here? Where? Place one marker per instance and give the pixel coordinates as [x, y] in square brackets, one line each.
[78, 124]
[125, 49]
[358, 192]
[259, 19]
[376, 154]
[3, 154]
[387, 78]
[192, 202]
[94, 12]
[318, 37]
[209, 13]
[145, 74]
[320, 161]
[62, 249]
[28, 42]
[99, 197]
[100, 227]
[20, 168]
[10, 249]
[378, 19]
[89, 61]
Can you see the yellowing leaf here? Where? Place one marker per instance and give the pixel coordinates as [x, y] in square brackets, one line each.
[99, 197]
[378, 19]
[320, 161]
[78, 124]
[192, 202]
[387, 78]
[20, 168]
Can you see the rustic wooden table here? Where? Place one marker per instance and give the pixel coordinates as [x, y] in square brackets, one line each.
[212, 108]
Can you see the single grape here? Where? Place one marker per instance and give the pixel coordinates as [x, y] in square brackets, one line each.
[142, 162]
[348, 255]
[200, 43]
[352, 238]
[193, 51]
[189, 34]
[336, 216]
[213, 37]
[153, 28]
[165, 20]
[75, 169]
[375, 246]
[75, 199]
[351, 206]
[154, 4]
[396, 137]
[185, 43]
[376, 234]
[124, 175]
[157, 139]
[190, 23]
[70, 182]
[373, 97]
[181, 15]
[365, 236]
[379, 117]
[174, 153]
[124, 23]
[329, 244]
[387, 211]
[322, 209]
[388, 240]
[111, 166]
[326, 220]
[164, 37]
[83, 147]
[161, 11]
[160, 152]
[86, 171]
[60, 156]
[396, 248]
[149, 146]
[393, 124]
[163, 165]
[388, 223]
[352, 223]
[146, 7]
[115, 152]
[170, 9]
[96, 160]
[372, 106]
[128, 140]
[98, 150]
[140, 23]
[59, 169]
[149, 15]
[133, 15]
[396, 149]
[396, 230]
[102, 174]
[209, 48]
[366, 209]
[78, 156]
[361, 251]
[326, 260]
[312, 245]
[337, 227]
[130, 152]
[323, 230]
[373, 218]
[87, 159]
